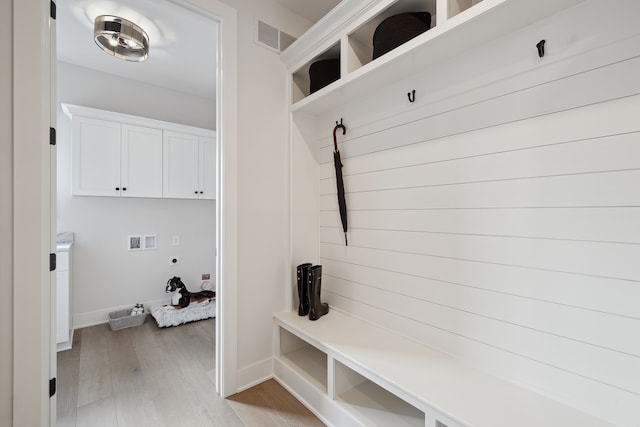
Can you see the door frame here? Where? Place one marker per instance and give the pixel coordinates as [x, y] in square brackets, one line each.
[32, 192]
[227, 188]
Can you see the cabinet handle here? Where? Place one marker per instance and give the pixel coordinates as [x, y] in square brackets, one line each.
[117, 188]
[124, 188]
[201, 192]
[195, 192]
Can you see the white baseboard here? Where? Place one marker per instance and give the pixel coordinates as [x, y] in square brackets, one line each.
[98, 317]
[254, 374]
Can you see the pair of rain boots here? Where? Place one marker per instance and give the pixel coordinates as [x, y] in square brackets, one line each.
[309, 279]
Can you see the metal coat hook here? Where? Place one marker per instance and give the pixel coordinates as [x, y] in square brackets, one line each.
[344, 131]
[540, 47]
[412, 96]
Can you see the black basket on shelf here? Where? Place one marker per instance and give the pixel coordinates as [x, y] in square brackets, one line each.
[322, 73]
[399, 29]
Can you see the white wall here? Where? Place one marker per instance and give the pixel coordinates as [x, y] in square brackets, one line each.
[496, 218]
[105, 274]
[6, 214]
[263, 232]
[113, 93]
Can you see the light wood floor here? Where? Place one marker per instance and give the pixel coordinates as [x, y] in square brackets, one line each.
[147, 376]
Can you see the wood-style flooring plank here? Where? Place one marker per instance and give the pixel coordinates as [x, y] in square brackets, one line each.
[133, 406]
[100, 413]
[294, 413]
[67, 383]
[94, 381]
[269, 404]
[161, 377]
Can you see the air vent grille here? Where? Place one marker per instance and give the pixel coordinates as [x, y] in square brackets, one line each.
[271, 37]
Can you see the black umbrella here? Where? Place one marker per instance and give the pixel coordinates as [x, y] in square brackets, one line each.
[342, 204]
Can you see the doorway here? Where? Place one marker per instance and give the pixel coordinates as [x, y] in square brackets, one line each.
[224, 224]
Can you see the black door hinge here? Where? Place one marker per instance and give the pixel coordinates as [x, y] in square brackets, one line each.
[52, 262]
[52, 136]
[53, 10]
[52, 387]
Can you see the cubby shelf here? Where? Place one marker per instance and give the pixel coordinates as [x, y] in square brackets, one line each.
[306, 360]
[460, 25]
[371, 403]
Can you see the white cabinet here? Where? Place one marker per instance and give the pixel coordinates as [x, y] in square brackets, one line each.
[64, 292]
[96, 157]
[189, 166]
[141, 162]
[113, 159]
[120, 155]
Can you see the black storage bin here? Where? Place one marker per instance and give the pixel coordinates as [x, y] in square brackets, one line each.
[322, 73]
[398, 29]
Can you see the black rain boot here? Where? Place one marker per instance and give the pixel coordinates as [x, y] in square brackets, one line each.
[303, 294]
[317, 309]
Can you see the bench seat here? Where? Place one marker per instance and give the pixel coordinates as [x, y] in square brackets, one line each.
[387, 370]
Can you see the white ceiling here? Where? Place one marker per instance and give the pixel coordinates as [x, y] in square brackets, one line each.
[182, 54]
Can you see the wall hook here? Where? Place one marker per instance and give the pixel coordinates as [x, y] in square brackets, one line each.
[540, 47]
[412, 95]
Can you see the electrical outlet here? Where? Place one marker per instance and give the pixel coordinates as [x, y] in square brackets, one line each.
[175, 240]
[174, 260]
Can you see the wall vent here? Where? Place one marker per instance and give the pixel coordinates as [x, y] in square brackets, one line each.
[272, 38]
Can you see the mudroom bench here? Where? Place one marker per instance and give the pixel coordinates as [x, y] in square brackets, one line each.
[352, 373]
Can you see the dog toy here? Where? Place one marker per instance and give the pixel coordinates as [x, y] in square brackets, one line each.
[182, 297]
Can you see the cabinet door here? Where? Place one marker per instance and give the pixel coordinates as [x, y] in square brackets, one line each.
[62, 299]
[207, 168]
[141, 166]
[180, 165]
[96, 157]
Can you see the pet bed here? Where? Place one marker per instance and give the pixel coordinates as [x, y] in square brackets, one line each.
[168, 315]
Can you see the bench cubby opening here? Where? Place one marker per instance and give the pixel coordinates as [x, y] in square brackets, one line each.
[370, 403]
[308, 361]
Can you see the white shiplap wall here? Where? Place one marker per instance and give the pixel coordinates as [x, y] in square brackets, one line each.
[498, 218]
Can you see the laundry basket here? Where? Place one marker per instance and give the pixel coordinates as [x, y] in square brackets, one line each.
[122, 319]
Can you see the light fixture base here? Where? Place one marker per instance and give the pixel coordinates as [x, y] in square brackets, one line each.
[121, 38]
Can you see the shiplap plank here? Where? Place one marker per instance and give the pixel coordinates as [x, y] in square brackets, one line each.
[555, 223]
[546, 379]
[603, 365]
[572, 125]
[582, 190]
[621, 152]
[588, 292]
[590, 258]
[606, 83]
[595, 328]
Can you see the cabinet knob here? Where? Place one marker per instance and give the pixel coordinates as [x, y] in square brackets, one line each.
[117, 188]
[201, 192]
[195, 192]
[124, 188]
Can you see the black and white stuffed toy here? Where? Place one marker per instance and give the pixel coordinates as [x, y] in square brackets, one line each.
[182, 297]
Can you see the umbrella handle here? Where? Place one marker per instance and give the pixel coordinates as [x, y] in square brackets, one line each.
[344, 131]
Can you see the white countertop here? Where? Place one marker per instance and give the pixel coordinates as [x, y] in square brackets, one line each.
[64, 241]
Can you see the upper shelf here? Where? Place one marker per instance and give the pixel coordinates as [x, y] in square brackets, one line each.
[457, 26]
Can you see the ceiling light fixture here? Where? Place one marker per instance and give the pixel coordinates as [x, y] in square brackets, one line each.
[121, 38]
